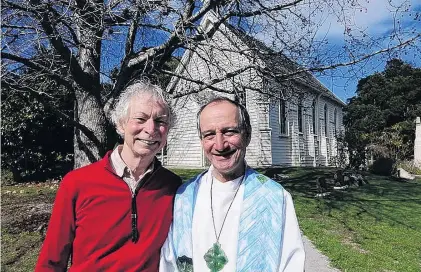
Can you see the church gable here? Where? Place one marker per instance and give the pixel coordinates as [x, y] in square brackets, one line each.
[227, 52]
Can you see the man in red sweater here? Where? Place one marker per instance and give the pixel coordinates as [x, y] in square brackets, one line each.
[114, 214]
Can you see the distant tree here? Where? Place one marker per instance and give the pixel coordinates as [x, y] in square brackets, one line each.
[116, 41]
[380, 118]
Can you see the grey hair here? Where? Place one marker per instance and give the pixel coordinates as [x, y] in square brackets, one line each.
[139, 88]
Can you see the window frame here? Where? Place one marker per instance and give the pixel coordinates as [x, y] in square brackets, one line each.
[314, 117]
[282, 117]
[300, 119]
[326, 117]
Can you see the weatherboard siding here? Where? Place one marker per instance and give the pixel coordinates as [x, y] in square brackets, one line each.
[281, 143]
[268, 146]
[183, 145]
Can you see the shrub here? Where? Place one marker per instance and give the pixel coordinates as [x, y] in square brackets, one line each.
[7, 177]
[36, 141]
[383, 167]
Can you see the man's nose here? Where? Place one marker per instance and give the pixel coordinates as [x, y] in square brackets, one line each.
[219, 142]
[150, 126]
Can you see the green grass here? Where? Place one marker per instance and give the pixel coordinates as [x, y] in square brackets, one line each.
[186, 174]
[20, 251]
[20, 243]
[376, 227]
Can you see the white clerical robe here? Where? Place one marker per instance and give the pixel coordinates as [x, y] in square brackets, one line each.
[202, 236]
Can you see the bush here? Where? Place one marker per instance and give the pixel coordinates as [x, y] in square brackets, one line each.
[7, 177]
[36, 142]
[383, 167]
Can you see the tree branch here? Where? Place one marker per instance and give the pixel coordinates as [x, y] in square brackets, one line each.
[131, 35]
[208, 84]
[344, 64]
[264, 10]
[80, 77]
[38, 67]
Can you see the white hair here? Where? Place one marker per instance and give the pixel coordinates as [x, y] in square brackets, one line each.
[138, 89]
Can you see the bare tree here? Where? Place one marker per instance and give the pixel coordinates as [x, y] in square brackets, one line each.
[94, 44]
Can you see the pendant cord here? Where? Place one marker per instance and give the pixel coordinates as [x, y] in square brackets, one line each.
[232, 201]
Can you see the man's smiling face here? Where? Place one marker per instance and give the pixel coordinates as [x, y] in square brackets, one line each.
[223, 140]
[146, 127]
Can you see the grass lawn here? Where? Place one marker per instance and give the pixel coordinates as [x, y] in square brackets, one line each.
[24, 208]
[376, 227]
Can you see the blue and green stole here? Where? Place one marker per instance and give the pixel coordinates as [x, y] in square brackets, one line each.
[260, 230]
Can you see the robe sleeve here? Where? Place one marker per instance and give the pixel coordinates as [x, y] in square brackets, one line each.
[293, 255]
[168, 262]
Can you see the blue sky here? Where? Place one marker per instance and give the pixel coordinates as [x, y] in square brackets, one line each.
[377, 18]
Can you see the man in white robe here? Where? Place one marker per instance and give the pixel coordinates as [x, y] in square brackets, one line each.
[231, 218]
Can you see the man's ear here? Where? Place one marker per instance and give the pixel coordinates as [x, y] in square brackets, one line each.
[248, 140]
[121, 127]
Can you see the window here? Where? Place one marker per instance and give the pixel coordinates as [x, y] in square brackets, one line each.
[325, 115]
[300, 116]
[282, 117]
[335, 116]
[314, 105]
[162, 154]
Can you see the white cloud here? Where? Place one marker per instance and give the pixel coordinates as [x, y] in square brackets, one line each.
[329, 19]
[373, 17]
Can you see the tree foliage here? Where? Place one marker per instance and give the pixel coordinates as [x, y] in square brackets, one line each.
[94, 42]
[36, 137]
[380, 118]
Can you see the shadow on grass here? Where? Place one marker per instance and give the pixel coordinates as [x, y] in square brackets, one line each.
[377, 200]
[300, 180]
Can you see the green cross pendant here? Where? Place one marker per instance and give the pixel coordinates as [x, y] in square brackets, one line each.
[215, 258]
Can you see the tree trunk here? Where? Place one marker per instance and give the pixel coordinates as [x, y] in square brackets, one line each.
[91, 143]
[17, 177]
[90, 114]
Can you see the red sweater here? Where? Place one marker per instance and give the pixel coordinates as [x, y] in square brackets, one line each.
[91, 220]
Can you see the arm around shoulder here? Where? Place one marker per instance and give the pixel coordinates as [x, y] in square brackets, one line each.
[168, 261]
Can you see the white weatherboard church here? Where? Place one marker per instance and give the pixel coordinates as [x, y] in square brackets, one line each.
[288, 129]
